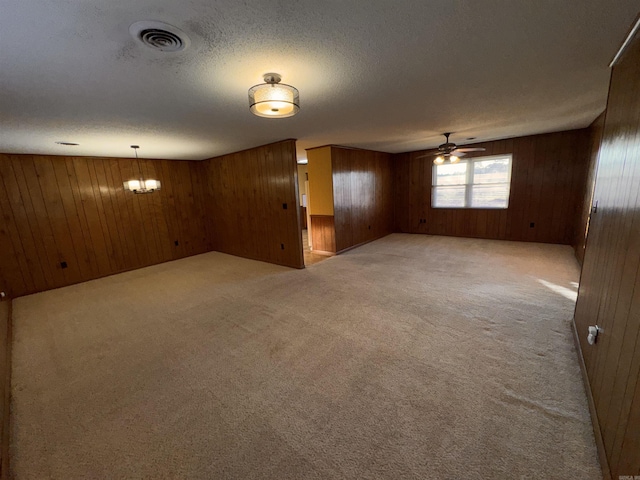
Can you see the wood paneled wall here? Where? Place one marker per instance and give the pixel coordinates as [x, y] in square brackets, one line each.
[595, 136]
[74, 209]
[323, 233]
[547, 182]
[609, 294]
[362, 196]
[247, 193]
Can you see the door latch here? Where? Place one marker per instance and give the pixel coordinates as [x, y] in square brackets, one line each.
[594, 330]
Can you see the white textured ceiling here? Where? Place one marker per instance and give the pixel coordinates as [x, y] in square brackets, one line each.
[380, 74]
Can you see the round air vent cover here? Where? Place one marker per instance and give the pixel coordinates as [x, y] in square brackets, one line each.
[159, 36]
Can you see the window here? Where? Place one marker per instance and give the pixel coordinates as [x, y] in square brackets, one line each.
[481, 182]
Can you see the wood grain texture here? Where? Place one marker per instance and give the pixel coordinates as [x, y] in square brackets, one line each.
[245, 196]
[595, 423]
[595, 137]
[362, 195]
[609, 294]
[74, 209]
[323, 233]
[547, 183]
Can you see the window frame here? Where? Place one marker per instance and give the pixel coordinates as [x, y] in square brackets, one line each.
[469, 182]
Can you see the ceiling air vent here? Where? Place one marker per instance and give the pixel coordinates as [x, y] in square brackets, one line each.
[162, 40]
[159, 36]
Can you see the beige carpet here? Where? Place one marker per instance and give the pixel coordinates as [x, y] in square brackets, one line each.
[412, 357]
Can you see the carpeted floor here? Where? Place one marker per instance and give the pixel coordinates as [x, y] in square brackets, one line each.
[410, 357]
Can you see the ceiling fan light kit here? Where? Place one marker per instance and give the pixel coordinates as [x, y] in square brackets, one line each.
[450, 152]
[273, 99]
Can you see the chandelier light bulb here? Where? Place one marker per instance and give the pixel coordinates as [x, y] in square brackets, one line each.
[149, 185]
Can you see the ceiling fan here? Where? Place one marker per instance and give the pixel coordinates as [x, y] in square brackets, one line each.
[450, 152]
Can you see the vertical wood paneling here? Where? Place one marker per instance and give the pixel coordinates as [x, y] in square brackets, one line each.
[245, 195]
[75, 210]
[584, 208]
[52, 250]
[401, 192]
[324, 233]
[196, 237]
[20, 212]
[129, 225]
[13, 271]
[545, 190]
[362, 194]
[86, 203]
[293, 229]
[73, 220]
[107, 215]
[609, 294]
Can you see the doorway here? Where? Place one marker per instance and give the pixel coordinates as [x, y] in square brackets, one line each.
[310, 258]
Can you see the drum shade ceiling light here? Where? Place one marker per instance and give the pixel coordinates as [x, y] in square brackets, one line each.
[273, 99]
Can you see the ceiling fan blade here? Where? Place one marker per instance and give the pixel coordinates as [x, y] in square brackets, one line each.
[471, 149]
[429, 154]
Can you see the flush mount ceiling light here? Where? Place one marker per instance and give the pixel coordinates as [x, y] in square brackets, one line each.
[141, 186]
[159, 36]
[273, 99]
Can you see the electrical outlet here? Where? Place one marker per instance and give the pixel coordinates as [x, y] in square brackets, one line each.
[63, 265]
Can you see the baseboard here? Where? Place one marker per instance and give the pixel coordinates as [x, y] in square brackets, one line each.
[323, 252]
[363, 243]
[258, 259]
[602, 456]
